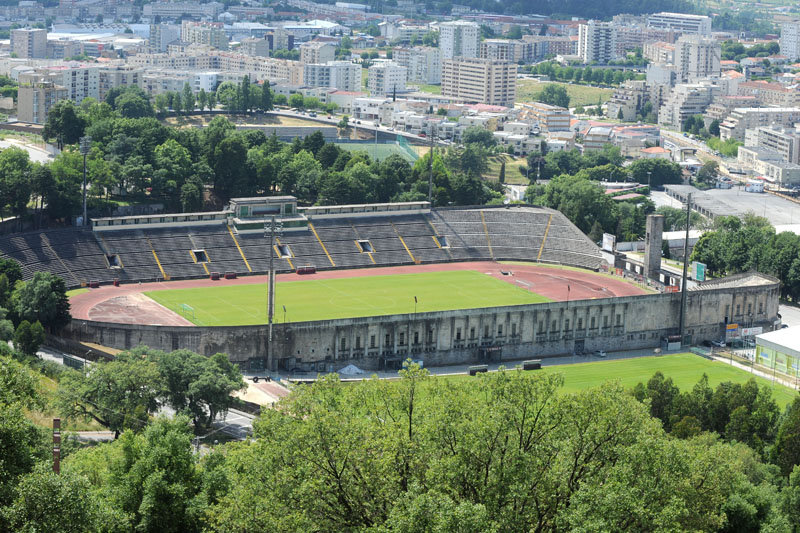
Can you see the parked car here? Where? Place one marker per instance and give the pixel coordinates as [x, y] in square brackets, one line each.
[600, 353]
[718, 344]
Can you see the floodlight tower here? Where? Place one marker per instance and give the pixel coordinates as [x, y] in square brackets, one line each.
[85, 146]
[272, 230]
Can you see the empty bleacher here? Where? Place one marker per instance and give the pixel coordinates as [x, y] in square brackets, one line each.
[518, 233]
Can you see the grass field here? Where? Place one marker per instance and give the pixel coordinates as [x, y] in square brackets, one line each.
[685, 370]
[346, 298]
[578, 94]
[513, 164]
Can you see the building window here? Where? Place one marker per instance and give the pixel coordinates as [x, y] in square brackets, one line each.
[738, 309]
[358, 343]
[619, 320]
[372, 341]
[485, 331]
[430, 336]
[472, 333]
[388, 340]
[402, 338]
[580, 323]
[566, 324]
[605, 321]
[416, 337]
[593, 323]
[554, 325]
[343, 344]
[749, 309]
[760, 307]
[513, 329]
[458, 334]
[500, 329]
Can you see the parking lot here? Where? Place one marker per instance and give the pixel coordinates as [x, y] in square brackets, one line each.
[778, 211]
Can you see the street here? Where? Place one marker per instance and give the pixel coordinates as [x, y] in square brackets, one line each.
[790, 315]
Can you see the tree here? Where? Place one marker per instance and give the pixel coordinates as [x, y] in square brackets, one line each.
[344, 122]
[119, 395]
[46, 501]
[15, 180]
[786, 453]
[266, 97]
[188, 97]
[65, 123]
[198, 386]
[29, 337]
[202, 99]
[161, 104]
[661, 172]
[713, 128]
[502, 177]
[133, 103]
[11, 269]
[43, 299]
[584, 202]
[296, 100]
[515, 32]
[230, 168]
[479, 135]
[708, 172]
[553, 94]
[212, 101]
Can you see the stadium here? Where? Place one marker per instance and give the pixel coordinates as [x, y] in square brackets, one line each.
[369, 285]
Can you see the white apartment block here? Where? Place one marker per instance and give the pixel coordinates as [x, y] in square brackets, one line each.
[549, 117]
[628, 98]
[118, 76]
[770, 94]
[511, 50]
[697, 57]
[173, 10]
[480, 80]
[82, 81]
[341, 75]
[161, 35]
[790, 40]
[770, 165]
[258, 68]
[317, 52]
[424, 63]
[783, 141]
[29, 43]
[35, 98]
[386, 78]
[680, 22]
[685, 100]
[210, 33]
[744, 118]
[255, 46]
[659, 52]
[458, 39]
[597, 41]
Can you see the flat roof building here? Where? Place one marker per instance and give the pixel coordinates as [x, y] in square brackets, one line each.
[480, 80]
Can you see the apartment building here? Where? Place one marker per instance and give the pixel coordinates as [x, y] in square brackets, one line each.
[29, 43]
[175, 10]
[783, 141]
[386, 78]
[723, 105]
[480, 80]
[549, 117]
[544, 45]
[258, 68]
[280, 39]
[36, 96]
[111, 77]
[596, 138]
[770, 94]
[161, 35]
[63, 48]
[512, 50]
[423, 63]
[255, 46]
[597, 41]
[659, 52]
[770, 165]
[341, 75]
[458, 38]
[209, 33]
[744, 118]
[790, 40]
[697, 57]
[686, 99]
[631, 37]
[629, 99]
[317, 52]
[680, 22]
[405, 33]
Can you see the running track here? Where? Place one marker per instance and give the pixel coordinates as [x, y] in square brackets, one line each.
[127, 305]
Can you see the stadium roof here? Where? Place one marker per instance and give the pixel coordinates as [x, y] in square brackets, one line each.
[786, 340]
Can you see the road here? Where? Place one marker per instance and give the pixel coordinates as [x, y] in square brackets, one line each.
[37, 155]
[790, 315]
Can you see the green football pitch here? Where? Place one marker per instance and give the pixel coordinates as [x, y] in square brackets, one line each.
[685, 370]
[237, 305]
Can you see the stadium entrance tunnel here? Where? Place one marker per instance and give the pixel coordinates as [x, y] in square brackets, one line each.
[365, 246]
[200, 256]
[113, 261]
[443, 241]
[284, 251]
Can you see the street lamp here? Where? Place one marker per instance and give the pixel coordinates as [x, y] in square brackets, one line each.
[649, 191]
[85, 145]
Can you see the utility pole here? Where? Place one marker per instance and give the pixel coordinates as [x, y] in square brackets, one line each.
[57, 445]
[682, 325]
[85, 145]
[275, 228]
[430, 172]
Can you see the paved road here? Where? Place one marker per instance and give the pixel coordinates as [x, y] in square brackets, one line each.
[37, 155]
[660, 198]
[790, 315]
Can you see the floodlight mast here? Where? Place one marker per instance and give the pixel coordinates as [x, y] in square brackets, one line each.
[271, 230]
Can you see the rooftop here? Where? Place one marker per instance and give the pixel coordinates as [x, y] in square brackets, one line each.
[786, 340]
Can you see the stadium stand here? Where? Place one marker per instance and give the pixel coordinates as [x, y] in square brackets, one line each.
[180, 251]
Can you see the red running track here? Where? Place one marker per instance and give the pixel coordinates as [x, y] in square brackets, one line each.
[127, 305]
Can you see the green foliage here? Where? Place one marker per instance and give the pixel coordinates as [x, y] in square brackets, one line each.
[554, 95]
[708, 172]
[43, 299]
[479, 135]
[675, 219]
[729, 148]
[29, 337]
[64, 123]
[662, 172]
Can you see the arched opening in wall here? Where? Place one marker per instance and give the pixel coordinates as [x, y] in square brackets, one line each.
[113, 261]
[200, 256]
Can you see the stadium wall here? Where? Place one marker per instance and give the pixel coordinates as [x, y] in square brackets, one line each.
[463, 336]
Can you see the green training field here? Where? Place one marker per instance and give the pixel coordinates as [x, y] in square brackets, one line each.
[685, 370]
[236, 305]
[379, 152]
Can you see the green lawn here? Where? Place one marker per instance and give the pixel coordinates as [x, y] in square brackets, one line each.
[75, 292]
[346, 298]
[578, 94]
[380, 151]
[433, 89]
[513, 164]
[684, 369]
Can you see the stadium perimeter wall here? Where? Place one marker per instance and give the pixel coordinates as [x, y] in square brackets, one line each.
[462, 336]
